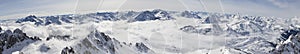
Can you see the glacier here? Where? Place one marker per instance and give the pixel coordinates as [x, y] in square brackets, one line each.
[150, 32]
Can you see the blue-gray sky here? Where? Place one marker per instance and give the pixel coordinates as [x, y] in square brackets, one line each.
[271, 8]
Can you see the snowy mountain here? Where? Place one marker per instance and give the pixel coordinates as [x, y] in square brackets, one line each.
[290, 44]
[150, 32]
[98, 42]
[16, 40]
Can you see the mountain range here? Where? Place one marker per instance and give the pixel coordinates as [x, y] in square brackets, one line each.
[150, 32]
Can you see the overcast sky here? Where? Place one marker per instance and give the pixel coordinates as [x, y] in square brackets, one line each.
[271, 8]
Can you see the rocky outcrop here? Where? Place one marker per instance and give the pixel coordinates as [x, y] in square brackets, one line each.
[107, 16]
[99, 42]
[59, 37]
[103, 41]
[286, 34]
[8, 39]
[141, 47]
[68, 50]
[31, 18]
[53, 20]
[194, 29]
[291, 45]
[46, 20]
[0, 29]
[153, 15]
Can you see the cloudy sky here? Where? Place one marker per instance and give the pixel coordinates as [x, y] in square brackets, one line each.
[272, 8]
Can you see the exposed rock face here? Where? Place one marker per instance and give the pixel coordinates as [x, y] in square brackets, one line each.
[189, 28]
[103, 41]
[99, 42]
[291, 45]
[107, 16]
[0, 29]
[52, 19]
[30, 18]
[68, 50]
[194, 29]
[141, 47]
[147, 15]
[286, 34]
[59, 37]
[153, 15]
[46, 20]
[8, 39]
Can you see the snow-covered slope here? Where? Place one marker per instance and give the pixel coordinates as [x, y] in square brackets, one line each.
[156, 32]
[291, 43]
[14, 41]
[98, 42]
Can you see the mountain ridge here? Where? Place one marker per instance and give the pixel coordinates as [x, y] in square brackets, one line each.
[242, 34]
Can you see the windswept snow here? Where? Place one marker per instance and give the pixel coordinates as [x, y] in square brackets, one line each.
[155, 32]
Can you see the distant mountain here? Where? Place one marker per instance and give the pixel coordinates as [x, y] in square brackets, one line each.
[104, 33]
